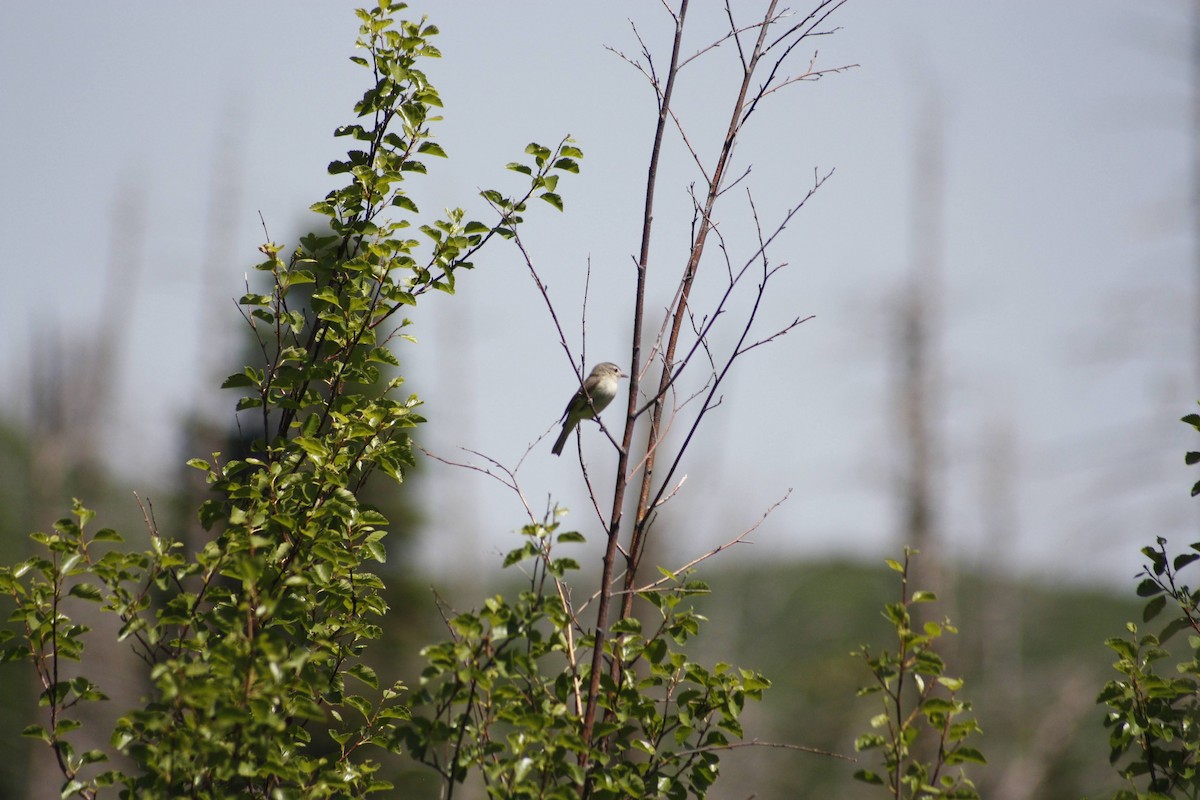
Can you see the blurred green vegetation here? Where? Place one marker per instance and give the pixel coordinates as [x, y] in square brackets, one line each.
[1032, 655]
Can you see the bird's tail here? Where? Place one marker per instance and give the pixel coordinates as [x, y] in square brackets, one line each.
[562, 440]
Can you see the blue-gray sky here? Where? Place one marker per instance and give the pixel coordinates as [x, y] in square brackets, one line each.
[1069, 266]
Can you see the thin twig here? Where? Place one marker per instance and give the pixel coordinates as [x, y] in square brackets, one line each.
[508, 478]
[760, 743]
[739, 539]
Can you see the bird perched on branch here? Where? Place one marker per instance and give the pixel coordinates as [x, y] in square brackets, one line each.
[597, 391]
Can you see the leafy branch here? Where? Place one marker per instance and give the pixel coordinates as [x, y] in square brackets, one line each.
[257, 686]
[917, 698]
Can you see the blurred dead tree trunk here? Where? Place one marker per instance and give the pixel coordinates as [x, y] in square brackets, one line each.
[72, 386]
[917, 380]
[1195, 209]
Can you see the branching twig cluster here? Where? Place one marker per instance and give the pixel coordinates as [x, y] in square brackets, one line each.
[763, 49]
[686, 346]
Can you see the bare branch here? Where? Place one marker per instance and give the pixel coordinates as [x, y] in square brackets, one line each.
[614, 527]
[761, 743]
[805, 28]
[148, 515]
[713, 401]
[811, 74]
[593, 495]
[688, 144]
[745, 174]
[545, 292]
[807, 25]
[735, 34]
[635, 64]
[671, 493]
[657, 585]
[505, 476]
[637, 541]
[647, 69]
[739, 539]
[587, 287]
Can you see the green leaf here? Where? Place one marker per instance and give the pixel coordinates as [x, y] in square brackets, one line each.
[364, 674]
[866, 776]
[86, 591]
[553, 199]
[1154, 607]
[1183, 560]
[1148, 588]
[405, 202]
[36, 732]
[1123, 647]
[377, 551]
[1173, 627]
[237, 381]
[935, 705]
[964, 755]
[314, 447]
[537, 151]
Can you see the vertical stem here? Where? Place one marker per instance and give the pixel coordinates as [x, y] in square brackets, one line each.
[614, 527]
[642, 518]
[901, 668]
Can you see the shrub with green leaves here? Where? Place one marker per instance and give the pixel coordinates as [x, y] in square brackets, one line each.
[253, 645]
[504, 697]
[922, 724]
[1153, 716]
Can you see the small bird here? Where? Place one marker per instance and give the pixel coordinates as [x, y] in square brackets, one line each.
[597, 391]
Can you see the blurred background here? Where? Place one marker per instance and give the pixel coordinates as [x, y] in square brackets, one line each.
[1002, 273]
